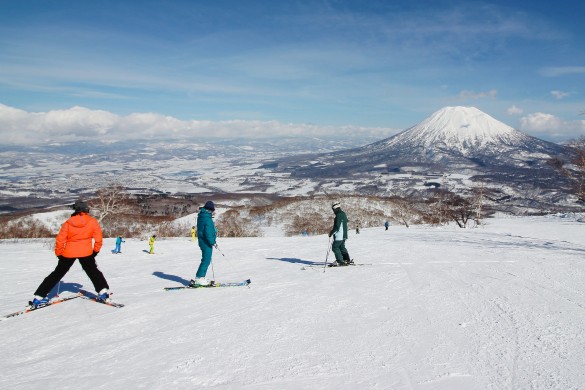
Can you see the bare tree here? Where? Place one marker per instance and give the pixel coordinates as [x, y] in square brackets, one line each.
[233, 223]
[437, 208]
[459, 209]
[110, 200]
[403, 212]
[477, 202]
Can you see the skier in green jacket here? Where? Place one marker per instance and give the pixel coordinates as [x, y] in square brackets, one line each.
[339, 233]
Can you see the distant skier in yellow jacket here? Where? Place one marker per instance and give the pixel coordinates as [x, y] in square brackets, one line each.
[151, 243]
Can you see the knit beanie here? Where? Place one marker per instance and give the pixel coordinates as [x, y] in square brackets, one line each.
[209, 205]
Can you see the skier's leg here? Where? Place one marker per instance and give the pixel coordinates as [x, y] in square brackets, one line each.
[93, 272]
[344, 252]
[54, 277]
[335, 247]
[206, 252]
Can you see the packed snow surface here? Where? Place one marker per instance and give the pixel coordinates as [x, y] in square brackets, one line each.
[500, 306]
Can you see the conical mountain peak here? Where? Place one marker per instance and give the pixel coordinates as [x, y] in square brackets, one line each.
[464, 131]
[460, 128]
[466, 122]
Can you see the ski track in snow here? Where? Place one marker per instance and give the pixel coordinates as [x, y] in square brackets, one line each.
[497, 307]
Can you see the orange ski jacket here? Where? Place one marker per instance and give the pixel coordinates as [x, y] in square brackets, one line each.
[79, 236]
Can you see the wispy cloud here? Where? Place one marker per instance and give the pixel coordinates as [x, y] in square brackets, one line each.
[562, 71]
[514, 110]
[559, 94]
[467, 95]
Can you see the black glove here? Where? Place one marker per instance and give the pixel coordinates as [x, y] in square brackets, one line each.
[95, 254]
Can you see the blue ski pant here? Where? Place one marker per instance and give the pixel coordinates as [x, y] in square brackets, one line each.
[206, 251]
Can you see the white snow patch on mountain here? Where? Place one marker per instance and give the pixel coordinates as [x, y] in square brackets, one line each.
[459, 128]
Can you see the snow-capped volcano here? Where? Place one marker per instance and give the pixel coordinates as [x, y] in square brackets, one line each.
[460, 127]
[452, 137]
[454, 140]
[464, 132]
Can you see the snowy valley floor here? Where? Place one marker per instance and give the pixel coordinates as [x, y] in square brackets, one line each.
[497, 307]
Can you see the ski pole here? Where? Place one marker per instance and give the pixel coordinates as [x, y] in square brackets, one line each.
[327, 256]
[224, 256]
[217, 247]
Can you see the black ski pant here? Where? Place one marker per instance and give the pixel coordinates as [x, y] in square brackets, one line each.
[341, 254]
[87, 263]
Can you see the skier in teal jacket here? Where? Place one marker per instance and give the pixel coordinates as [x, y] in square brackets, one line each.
[206, 238]
[339, 233]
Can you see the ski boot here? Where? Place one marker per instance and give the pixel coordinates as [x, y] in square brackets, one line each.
[38, 301]
[104, 295]
[199, 282]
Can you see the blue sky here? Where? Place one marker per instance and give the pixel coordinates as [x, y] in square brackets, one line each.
[75, 69]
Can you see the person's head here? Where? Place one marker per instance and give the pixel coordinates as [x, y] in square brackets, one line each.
[80, 206]
[209, 205]
[335, 206]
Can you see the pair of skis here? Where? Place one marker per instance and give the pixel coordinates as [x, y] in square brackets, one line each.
[92, 297]
[84, 294]
[333, 265]
[81, 294]
[211, 285]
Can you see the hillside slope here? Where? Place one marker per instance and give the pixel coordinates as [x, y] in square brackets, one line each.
[500, 306]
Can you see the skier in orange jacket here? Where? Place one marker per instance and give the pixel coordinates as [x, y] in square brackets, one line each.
[80, 238]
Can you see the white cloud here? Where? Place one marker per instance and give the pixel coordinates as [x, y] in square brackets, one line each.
[551, 126]
[559, 94]
[562, 71]
[492, 93]
[77, 123]
[515, 110]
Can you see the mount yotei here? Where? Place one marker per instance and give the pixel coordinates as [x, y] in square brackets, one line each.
[456, 147]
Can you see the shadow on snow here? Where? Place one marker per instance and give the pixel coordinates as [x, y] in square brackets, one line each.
[296, 261]
[173, 278]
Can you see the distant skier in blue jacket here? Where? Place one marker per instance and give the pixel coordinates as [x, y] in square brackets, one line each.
[206, 238]
[118, 248]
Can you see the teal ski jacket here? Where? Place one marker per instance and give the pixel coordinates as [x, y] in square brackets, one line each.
[206, 233]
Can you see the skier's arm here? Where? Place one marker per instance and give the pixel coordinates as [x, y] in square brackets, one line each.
[61, 240]
[210, 233]
[98, 238]
[336, 226]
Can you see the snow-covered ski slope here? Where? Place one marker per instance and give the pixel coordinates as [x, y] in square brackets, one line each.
[497, 307]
